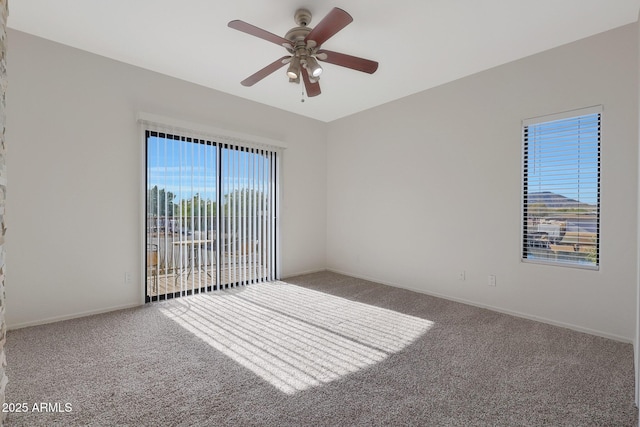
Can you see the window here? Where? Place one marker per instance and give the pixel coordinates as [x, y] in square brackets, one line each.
[561, 189]
[210, 214]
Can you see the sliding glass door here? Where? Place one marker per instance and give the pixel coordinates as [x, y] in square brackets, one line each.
[210, 215]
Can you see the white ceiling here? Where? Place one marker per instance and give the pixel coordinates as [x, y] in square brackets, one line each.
[418, 43]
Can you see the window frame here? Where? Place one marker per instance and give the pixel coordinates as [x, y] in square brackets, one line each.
[525, 251]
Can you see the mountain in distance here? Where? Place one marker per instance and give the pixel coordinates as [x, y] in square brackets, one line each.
[553, 200]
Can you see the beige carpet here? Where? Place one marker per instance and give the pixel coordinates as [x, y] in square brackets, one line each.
[316, 350]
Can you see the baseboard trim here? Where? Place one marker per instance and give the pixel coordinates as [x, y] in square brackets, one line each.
[288, 275]
[571, 326]
[70, 316]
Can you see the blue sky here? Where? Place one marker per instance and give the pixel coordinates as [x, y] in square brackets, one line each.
[563, 157]
[187, 168]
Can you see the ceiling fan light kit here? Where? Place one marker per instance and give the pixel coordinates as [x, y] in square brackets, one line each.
[313, 67]
[304, 47]
[294, 68]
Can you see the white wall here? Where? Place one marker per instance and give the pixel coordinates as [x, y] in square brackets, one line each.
[75, 165]
[426, 186]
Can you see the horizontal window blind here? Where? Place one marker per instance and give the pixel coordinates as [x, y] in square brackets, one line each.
[561, 189]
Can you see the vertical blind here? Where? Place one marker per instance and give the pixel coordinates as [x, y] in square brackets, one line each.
[561, 188]
[210, 213]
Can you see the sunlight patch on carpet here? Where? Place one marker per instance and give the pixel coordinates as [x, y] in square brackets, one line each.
[295, 338]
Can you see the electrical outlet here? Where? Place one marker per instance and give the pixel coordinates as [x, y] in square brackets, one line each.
[492, 280]
[127, 277]
[461, 275]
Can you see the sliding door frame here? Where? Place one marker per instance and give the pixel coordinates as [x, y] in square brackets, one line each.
[221, 139]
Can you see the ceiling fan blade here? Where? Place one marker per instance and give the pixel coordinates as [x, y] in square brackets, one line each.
[335, 20]
[256, 77]
[344, 60]
[313, 89]
[259, 32]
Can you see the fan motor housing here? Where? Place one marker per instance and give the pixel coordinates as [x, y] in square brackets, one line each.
[297, 33]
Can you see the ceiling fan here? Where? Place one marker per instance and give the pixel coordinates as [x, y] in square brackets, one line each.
[304, 47]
